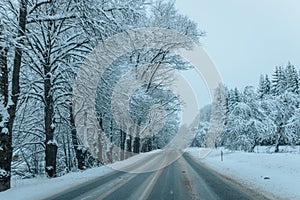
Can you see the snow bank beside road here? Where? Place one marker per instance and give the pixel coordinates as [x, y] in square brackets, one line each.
[42, 187]
[269, 173]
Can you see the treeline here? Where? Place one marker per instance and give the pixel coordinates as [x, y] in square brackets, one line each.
[268, 115]
[42, 45]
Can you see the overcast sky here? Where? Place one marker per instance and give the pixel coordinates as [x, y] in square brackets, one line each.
[246, 38]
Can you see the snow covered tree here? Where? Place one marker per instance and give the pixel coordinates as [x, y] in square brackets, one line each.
[161, 14]
[261, 86]
[57, 45]
[278, 111]
[292, 128]
[286, 105]
[247, 123]
[266, 117]
[5, 136]
[234, 97]
[199, 140]
[264, 87]
[217, 118]
[204, 119]
[279, 81]
[9, 100]
[292, 79]
[245, 128]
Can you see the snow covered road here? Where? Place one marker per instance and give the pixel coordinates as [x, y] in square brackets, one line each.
[186, 178]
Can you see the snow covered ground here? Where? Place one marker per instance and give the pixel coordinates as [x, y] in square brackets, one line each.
[277, 175]
[41, 187]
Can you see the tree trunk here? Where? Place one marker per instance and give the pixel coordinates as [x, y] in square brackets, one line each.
[277, 144]
[150, 145]
[65, 153]
[3, 75]
[109, 154]
[136, 145]
[128, 146]
[7, 129]
[144, 145]
[136, 142]
[122, 144]
[51, 146]
[254, 145]
[5, 160]
[49, 121]
[278, 138]
[80, 153]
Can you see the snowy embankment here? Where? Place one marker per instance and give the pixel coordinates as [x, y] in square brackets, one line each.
[277, 175]
[42, 187]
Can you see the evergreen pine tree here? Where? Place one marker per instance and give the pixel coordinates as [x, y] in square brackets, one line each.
[292, 79]
[267, 86]
[278, 82]
[264, 86]
[261, 87]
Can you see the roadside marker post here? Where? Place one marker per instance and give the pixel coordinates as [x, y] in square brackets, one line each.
[221, 156]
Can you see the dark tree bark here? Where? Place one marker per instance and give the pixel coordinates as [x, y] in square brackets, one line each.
[136, 142]
[129, 147]
[111, 146]
[122, 144]
[80, 153]
[279, 137]
[146, 145]
[254, 144]
[6, 136]
[49, 122]
[3, 74]
[150, 145]
[51, 146]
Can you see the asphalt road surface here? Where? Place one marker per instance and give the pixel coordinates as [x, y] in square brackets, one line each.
[183, 179]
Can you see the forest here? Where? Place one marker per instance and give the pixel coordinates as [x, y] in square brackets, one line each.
[43, 44]
[268, 114]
